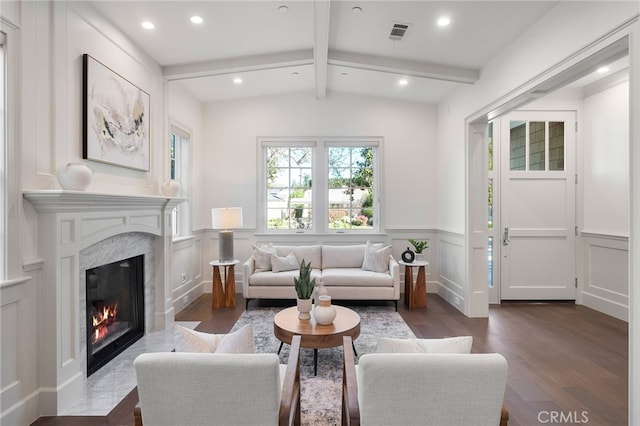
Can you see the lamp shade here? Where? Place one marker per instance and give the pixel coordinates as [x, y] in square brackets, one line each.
[226, 218]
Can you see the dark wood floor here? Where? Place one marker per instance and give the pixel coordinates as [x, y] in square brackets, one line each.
[567, 364]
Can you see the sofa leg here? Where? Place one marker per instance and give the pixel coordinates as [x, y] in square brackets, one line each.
[246, 304]
[395, 302]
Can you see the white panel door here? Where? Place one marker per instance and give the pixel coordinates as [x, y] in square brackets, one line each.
[538, 206]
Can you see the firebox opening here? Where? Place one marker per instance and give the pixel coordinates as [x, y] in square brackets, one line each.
[115, 309]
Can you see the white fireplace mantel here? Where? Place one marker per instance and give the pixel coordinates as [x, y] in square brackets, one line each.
[56, 200]
[67, 223]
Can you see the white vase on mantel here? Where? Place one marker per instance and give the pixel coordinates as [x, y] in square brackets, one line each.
[170, 188]
[74, 176]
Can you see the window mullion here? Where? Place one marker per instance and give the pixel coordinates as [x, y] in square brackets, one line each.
[527, 141]
[546, 145]
[320, 189]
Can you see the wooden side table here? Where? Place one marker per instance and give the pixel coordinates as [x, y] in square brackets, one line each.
[224, 296]
[415, 294]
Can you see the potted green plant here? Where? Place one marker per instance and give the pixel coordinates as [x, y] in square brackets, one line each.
[304, 285]
[419, 246]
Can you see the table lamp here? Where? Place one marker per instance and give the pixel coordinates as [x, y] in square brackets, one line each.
[226, 218]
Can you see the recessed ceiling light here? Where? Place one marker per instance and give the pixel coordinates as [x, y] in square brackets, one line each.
[443, 21]
[602, 70]
[148, 25]
[403, 82]
[196, 19]
[283, 9]
[356, 10]
[237, 80]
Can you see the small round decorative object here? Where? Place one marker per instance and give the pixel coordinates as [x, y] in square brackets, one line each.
[74, 176]
[408, 255]
[324, 313]
[171, 188]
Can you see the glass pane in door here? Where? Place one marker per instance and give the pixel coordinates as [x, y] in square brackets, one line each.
[556, 145]
[517, 153]
[536, 145]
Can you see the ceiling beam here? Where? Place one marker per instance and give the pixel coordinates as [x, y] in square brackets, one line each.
[403, 67]
[239, 64]
[322, 16]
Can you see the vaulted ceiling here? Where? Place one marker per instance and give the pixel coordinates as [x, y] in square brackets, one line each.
[323, 46]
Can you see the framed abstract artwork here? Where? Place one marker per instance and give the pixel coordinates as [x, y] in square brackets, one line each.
[115, 118]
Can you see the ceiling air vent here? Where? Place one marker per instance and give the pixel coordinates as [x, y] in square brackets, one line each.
[398, 31]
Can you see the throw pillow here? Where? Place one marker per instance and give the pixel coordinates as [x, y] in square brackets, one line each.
[240, 341]
[281, 264]
[449, 345]
[376, 257]
[262, 257]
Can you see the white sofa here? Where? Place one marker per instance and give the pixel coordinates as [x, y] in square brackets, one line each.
[339, 267]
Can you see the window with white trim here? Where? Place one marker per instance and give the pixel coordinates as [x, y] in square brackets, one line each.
[179, 170]
[320, 185]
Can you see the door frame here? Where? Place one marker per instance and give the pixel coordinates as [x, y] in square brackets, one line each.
[614, 45]
[476, 304]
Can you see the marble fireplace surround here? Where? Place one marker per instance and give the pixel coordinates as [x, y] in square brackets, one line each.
[76, 231]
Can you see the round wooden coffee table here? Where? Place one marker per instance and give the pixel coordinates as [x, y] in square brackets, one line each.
[315, 336]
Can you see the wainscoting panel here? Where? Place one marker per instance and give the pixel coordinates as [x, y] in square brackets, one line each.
[9, 316]
[606, 274]
[187, 278]
[18, 376]
[451, 266]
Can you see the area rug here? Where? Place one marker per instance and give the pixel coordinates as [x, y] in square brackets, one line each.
[321, 395]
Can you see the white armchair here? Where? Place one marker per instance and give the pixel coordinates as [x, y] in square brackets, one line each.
[423, 389]
[209, 388]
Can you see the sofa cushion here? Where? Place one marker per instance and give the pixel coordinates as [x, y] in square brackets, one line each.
[262, 256]
[311, 254]
[240, 341]
[287, 263]
[350, 256]
[376, 257]
[355, 277]
[448, 345]
[279, 279]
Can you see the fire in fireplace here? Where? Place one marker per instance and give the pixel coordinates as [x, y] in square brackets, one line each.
[115, 309]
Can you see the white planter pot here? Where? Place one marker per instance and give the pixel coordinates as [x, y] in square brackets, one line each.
[74, 176]
[170, 188]
[304, 307]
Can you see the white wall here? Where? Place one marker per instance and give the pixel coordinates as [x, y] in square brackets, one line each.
[408, 150]
[537, 50]
[606, 161]
[51, 38]
[605, 230]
